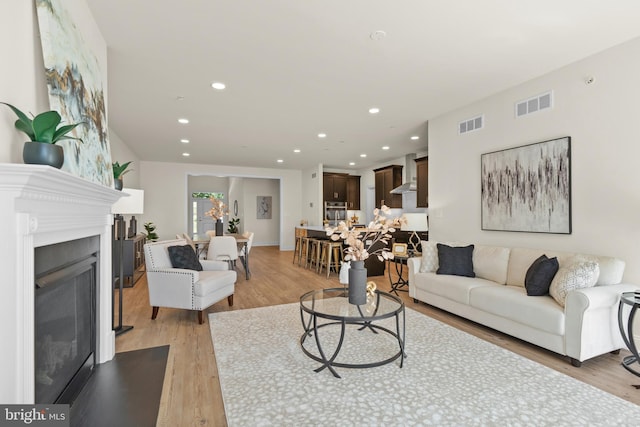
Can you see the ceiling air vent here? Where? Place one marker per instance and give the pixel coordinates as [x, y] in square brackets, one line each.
[471, 124]
[532, 105]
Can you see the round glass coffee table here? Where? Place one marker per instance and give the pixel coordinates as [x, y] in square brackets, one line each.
[329, 318]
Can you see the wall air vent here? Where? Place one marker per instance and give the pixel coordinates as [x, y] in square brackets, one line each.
[534, 104]
[468, 125]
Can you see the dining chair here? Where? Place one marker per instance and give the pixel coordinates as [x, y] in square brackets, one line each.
[223, 248]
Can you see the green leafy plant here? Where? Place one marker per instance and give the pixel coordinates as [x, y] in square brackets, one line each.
[151, 231]
[120, 169]
[233, 225]
[43, 127]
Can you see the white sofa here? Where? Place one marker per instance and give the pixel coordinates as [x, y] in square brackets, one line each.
[587, 326]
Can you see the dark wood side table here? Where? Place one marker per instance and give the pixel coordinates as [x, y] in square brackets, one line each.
[632, 299]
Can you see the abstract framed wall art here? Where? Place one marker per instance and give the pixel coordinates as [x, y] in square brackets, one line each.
[528, 188]
[74, 78]
[264, 207]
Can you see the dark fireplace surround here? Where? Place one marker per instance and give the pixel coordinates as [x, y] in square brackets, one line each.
[65, 320]
[44, 206]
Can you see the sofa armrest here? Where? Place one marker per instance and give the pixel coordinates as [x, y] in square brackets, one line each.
[172, 287]
[414, 267]
[592, 320]
[214, 265]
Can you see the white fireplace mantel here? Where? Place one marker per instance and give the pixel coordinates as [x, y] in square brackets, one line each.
[39, 206]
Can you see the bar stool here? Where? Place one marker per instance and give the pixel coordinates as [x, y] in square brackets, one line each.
[313, 253]
[331, 256]
[305, 243]
[297, 249]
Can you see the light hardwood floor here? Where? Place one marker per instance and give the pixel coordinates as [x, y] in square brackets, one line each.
[191, 394]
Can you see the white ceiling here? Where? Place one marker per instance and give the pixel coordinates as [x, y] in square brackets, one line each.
[295, 68]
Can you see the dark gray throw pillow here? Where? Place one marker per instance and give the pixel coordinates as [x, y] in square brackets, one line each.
[184, 257]
[456, 261]
[539, 275]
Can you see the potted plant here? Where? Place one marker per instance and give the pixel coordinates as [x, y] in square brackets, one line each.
[151, 231]
[44, 131]
[118, 171]
[233, 225]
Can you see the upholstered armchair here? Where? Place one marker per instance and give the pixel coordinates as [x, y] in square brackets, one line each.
[182, 287]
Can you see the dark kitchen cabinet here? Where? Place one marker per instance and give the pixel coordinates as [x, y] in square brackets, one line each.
[353, 192]
[334, 187]
[386, 179]
[422, 171]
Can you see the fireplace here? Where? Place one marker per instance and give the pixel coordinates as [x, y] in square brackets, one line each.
[65, 296]
[43, 206]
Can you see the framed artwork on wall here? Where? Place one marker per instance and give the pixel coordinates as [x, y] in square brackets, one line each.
[264, 207]
[76, 91]
[528, 188]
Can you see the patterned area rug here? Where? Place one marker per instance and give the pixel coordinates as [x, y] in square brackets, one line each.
[449, 378]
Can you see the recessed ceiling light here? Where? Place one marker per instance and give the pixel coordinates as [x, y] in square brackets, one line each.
[352, 163]
[183, 121]
[218, 85]
[184, 141]
[363, 155]
[296, 150]
[186, 154]
[378, 35]
[415, 137]
[386, 147]
[374, 110]
[322, 135]
[280, 161]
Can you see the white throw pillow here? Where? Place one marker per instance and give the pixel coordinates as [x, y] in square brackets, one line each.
[429, 263]
[583, 274]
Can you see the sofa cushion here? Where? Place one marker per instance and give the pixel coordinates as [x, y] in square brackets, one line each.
[454, 288]
[539, 275]
[429, 261]
[522, 258]
[184, 257]
[211, 281]
[456, 261]
[583, 274]
[491, 263]
[512, 303]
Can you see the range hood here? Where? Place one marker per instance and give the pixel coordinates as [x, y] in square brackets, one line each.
[411, 184]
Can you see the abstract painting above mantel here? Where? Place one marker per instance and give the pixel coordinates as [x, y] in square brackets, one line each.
[74, 78]
[528, 188]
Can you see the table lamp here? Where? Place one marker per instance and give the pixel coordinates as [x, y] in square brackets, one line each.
[415, 222]
[131, 203]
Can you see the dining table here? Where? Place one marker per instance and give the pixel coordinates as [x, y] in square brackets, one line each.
[202, 244]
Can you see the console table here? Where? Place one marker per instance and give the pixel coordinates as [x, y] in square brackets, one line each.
[132, 260]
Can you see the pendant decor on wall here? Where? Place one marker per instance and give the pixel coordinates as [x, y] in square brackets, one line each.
[74, 78]
[528, 188]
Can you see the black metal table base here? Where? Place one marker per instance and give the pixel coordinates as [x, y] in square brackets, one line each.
[401, 282]
[311, 328]
[633, 300]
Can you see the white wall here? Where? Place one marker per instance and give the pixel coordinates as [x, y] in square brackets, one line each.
[601, 119]
[311, 204]
[120, 152]
[166, 189]
[266, 231]
[22, 79]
